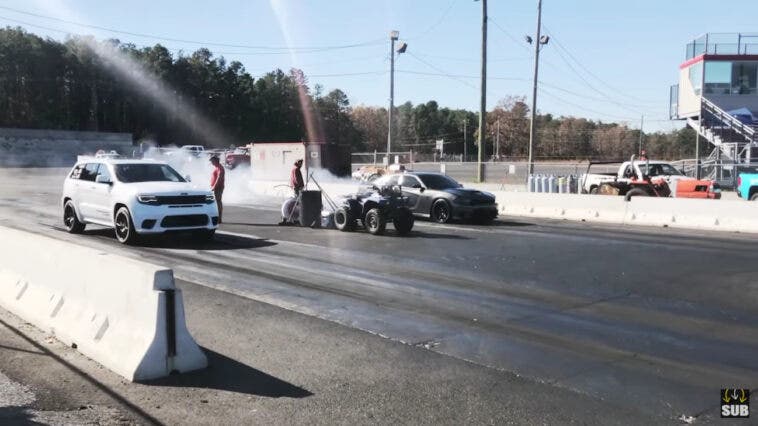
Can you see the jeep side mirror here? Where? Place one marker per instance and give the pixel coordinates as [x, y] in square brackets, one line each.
[417, 186]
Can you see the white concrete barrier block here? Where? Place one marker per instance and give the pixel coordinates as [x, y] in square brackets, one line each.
[125, 314]
[562, 206]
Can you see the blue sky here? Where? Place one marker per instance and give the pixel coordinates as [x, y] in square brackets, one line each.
[607, 60]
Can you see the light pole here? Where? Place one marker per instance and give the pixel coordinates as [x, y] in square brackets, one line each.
[401, 49]
[482, 95]
[538, 42]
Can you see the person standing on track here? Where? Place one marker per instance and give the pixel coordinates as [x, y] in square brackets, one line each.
[296, 177]
[217, 184]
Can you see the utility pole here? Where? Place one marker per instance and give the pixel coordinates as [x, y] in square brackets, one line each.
[393, 36]
[497, 143]
[642, 125]
[697, 147]
[482, 95]
[540, 40]
[465, 141]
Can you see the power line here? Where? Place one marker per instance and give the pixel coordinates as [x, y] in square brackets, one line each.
[457, 76]
[169, 48]
[449, 58]
[508, 34]
[542, 83]
[588, 84]
[436, 23]
[442, 71]
[349, 74]
[575, 105]
[588, 71]
[177, 40]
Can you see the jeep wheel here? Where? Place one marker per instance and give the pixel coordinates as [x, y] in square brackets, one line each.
[754, 197]
[440, 211]
[344, 219]
[125, 233]
[403, 221]
[375, 222]
[73, 226]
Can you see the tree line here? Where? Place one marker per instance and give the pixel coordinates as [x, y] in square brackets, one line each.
[47, 84]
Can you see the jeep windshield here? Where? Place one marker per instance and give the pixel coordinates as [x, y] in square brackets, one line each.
[131, 173]
[439, 182]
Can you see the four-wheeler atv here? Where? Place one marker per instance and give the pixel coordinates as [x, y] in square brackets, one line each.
[375, 208]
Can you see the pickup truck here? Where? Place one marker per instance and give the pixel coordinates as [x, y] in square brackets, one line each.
[195, 150]
[747, 186]
[632, 173]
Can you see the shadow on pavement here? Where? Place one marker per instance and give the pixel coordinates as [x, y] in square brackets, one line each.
[226, 374]
[255, 224]
[420, 234]
[510, 223]
[17, 416]
[183, 241]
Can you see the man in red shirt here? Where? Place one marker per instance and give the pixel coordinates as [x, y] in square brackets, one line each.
[217, 183]
[296, 177]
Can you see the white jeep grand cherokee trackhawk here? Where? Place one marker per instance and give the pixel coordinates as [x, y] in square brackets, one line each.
[135, 197]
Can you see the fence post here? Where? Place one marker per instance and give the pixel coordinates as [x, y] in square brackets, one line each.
[375, 157]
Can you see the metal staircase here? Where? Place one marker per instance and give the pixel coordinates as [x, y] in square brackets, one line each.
[734, 142]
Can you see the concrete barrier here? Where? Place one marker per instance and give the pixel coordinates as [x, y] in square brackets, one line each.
[587, 208]
[716, 215]
[56, 148]
[125, 314]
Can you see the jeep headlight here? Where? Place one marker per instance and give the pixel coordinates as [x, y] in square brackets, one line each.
[147, 199]
[210, 199]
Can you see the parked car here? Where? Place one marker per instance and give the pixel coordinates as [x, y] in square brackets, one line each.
[196, 150]
[112, 154]
[238, 157]
[135, 197]
[747, 186]
[372, 173]
[369, 173]
[441, 198]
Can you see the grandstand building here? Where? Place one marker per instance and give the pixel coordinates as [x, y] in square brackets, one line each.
[717, 95]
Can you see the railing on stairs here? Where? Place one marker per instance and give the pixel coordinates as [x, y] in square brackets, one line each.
[727, 121]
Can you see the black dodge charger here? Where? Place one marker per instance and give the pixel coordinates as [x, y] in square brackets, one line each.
[441, 198]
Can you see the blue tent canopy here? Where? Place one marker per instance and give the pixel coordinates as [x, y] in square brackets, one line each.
[744, 115]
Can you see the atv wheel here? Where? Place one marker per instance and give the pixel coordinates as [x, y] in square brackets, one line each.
[375, 222]
[344, 219]
[636, 192]
[73, 226]
[441, 211]
[403, 221]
